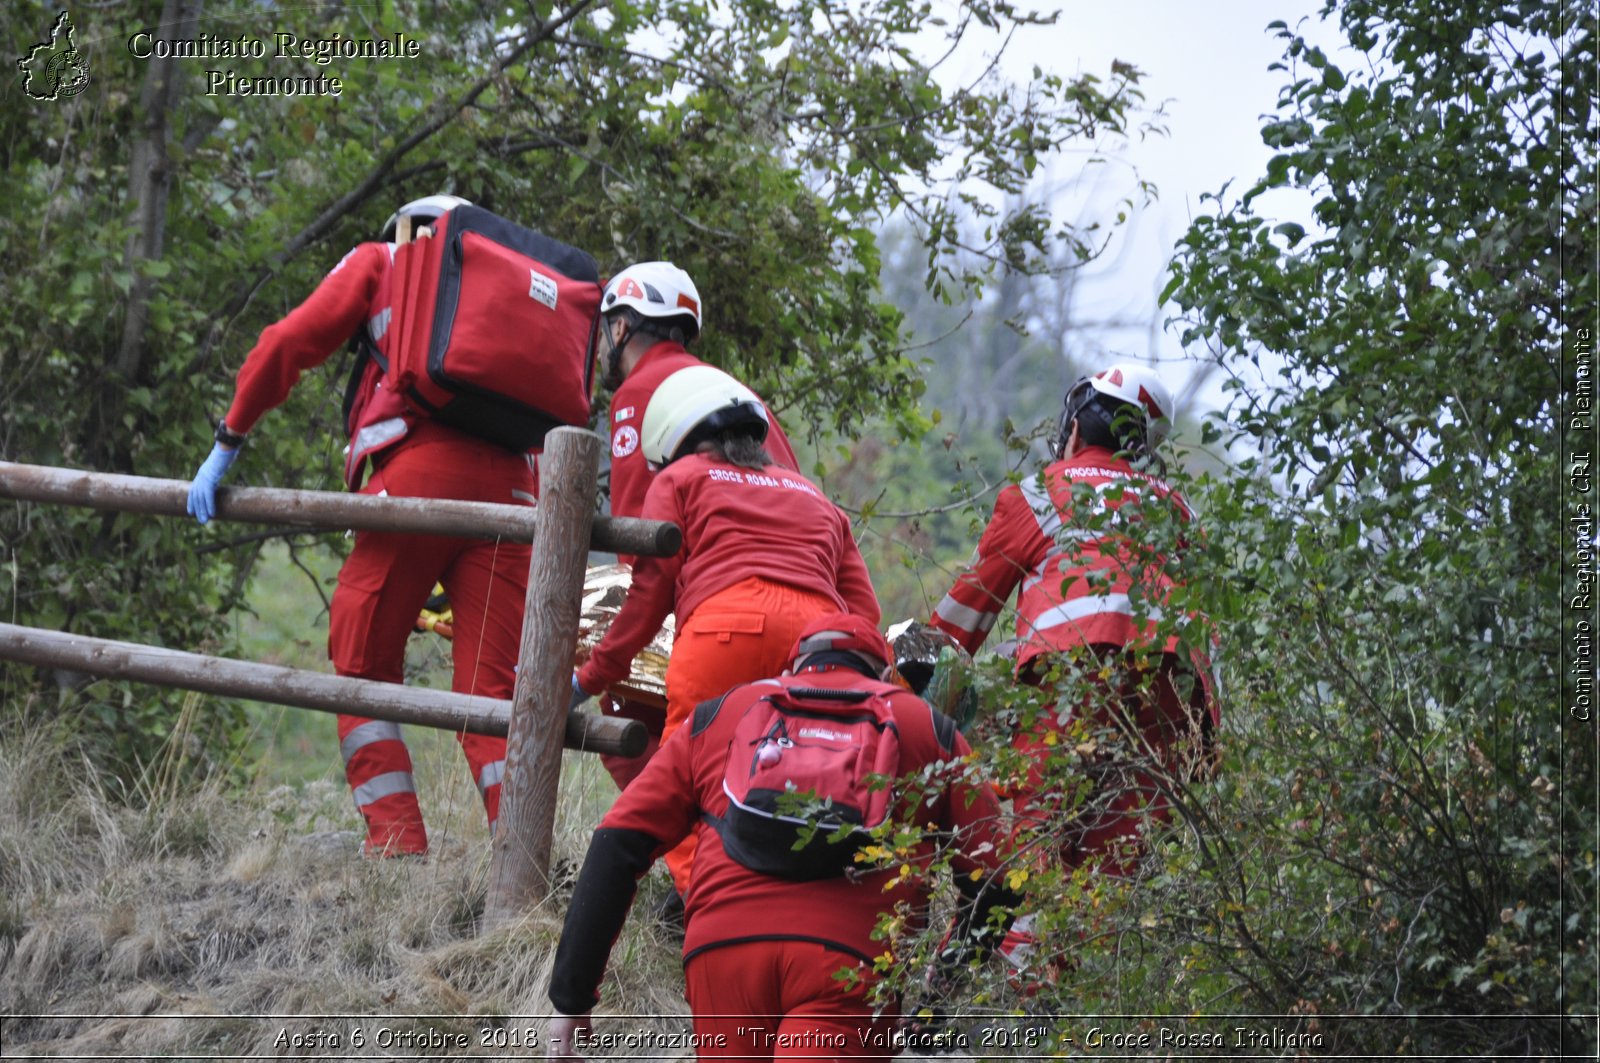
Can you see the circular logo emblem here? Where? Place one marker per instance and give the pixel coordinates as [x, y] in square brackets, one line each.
[625, 442]
[66, 74]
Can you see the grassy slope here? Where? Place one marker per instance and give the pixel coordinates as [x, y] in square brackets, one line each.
[253, 901]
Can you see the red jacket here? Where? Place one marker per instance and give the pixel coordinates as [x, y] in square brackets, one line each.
[737, 523]
[630, 475]
[355, 294]
[727, 902]
[1084, 578]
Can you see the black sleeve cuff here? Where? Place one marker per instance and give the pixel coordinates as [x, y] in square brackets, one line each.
[227, 437]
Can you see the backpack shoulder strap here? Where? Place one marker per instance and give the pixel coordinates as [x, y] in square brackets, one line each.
[908, 709]
[364, 351]
[706, 712]
[944, 729]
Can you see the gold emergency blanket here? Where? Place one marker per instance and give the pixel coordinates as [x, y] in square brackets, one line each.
[604, 589]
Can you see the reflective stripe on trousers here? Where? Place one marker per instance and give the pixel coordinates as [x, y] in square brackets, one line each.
[365, 735]
[381, 786]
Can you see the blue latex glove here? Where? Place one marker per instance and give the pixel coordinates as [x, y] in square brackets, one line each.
[579, 695]
[203, 492]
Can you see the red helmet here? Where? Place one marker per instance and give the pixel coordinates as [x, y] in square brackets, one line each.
[842, 633]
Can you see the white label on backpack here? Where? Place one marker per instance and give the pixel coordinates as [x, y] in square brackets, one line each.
[542, 288]
[825, 735]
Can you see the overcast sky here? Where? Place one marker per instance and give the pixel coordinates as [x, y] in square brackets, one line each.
[1208, 64]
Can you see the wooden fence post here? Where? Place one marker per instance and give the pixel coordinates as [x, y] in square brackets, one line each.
[519, 870]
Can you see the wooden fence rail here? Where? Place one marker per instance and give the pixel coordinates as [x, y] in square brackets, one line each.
[273, 683]
[323, 509]
[536, 722]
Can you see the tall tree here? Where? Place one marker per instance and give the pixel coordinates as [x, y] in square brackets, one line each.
[159, 218]
[1414, 832]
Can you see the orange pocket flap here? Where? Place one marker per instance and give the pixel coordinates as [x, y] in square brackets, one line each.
[723, 626]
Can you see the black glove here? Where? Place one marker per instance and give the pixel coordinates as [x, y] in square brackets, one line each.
[928, 1030]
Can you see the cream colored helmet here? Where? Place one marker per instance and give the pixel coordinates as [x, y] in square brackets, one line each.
[694, 404]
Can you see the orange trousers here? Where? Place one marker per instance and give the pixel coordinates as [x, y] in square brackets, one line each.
[737, 635]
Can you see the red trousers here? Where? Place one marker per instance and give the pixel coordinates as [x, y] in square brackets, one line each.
[384, 583]
[1150, 726]
[780, 1000]
[737, 635]
[624, 770]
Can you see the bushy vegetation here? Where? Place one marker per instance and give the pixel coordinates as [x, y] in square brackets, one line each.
[1397, 852]
[1397, 856]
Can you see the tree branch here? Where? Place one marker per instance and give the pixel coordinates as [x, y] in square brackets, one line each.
[441, 115]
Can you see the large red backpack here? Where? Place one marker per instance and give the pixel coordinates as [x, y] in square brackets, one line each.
[804, 764]
[494, 328]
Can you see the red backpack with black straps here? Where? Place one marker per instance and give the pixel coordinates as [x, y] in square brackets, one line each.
[803, 765]
[494, 328]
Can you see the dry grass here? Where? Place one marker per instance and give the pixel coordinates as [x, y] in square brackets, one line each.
[169, 925]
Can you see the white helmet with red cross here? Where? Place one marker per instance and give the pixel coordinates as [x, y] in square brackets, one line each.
[1124, 384]
[657, 290]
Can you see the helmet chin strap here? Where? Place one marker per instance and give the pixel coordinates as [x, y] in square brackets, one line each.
[1070, 406]
[614, 349]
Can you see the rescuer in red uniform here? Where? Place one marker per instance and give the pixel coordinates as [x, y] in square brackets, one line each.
[650, 312]
[764, 552]
[1095, 603]
[758, 946]
[388, 576]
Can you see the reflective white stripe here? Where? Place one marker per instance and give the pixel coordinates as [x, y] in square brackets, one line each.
[378, 323]
[1019, 942]
[1037, 495]
[1091, 605]
[491, 775]
[368, 733]
[964, 616]
[1048, 514]
[1057, 565]
[375, 435]
[525, 496]
[818, 642]
[386, 785]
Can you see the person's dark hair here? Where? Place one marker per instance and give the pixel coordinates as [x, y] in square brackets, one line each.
[1115, 426]
[738, 447]
[680, 329]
